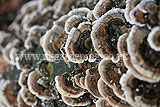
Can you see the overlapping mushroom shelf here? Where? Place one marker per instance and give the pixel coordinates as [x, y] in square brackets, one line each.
[112, 48]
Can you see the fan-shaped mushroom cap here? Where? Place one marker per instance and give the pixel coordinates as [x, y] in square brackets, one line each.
[79, 11]
[122, 49]
[36, 89]
[102, 103]
[55, 37]
[137, 17]
[91, 82]
[37, 18]
[106, 32]
[27, 96]
[74, 21]
[22, 81]
[33, 36]
[105, 5]
[148, 6]
[80, 101]
[65, 86]
[111, 74]
[79, 45]
[24, 59]
[140, 93]
[6, 51]
[142, 56]
[7, 94]
[154, 38]
[29, 7]
[13, 55]
[130, 5]
[82, 82]
[21, 102]
[77, 80]
[53, 40]
[110, 96]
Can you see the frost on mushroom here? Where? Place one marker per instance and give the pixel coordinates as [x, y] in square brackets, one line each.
[143, 58]
[105, 5]
[140, 93]
[106, 32]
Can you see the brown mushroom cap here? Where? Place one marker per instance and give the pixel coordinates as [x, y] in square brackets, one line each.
[142, 56]
[102, 103]
[105, 5]
[140, 93]
[122, 49]
[6, 51]
[104, 36]
[79, 45]
[21, 102]
[22, 81]
[111, 74]
[7, 94]
[12, 55]
[77, 80]
[137, 16]
[33, 36]
[130, 5]
[53, 40]
[29, 7]
[65, 86]
[80, 101]
[110, 96]
[154, 38]
[36, 89]
[82, 82]
[27, 96]
[74, 21]
[91, 82]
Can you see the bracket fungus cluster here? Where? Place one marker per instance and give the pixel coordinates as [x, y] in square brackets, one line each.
[110, 54]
